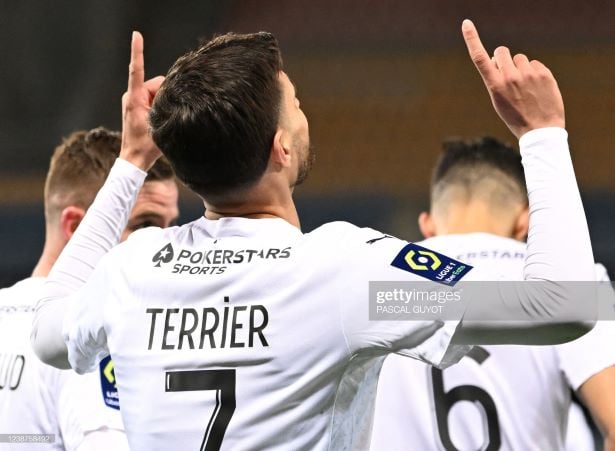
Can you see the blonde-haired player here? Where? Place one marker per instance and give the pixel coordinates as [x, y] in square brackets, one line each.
[82, 412]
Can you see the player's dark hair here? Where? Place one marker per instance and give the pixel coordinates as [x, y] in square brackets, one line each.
[80, 164]
[467, 164]
[217, 112]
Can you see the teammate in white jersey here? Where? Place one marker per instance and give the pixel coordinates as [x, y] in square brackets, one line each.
[497, 397]
[80, 411]
[237, 331]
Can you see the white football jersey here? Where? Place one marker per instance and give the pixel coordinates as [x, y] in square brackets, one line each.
[579, 436]
[38, 399]
[497, 397]
[246, 333]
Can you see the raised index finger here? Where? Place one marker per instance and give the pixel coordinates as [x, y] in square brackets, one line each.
[136, 71]
[477, 51]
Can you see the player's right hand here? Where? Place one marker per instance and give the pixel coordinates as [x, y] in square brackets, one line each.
[524, 93]
[138, 147]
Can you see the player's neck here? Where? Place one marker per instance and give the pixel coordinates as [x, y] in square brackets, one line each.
[255, 204]
[289, 215]
[474, 218]
[43, 267]
[51, 252]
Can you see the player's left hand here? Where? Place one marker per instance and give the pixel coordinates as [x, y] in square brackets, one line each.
[524, 93]
[138, 147]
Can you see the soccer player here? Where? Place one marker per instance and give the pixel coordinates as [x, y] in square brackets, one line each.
[238, 331]
[516, 397]
[81, 411]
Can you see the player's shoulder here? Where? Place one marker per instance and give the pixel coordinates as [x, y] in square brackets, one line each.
[366, 241]
[342, 245]
[365, 251]
[344, 233]
[335, 228]
[23, 292]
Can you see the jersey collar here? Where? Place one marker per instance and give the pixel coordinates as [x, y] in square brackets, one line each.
[246, 227]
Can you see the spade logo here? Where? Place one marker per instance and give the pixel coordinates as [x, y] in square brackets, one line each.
[164, 255]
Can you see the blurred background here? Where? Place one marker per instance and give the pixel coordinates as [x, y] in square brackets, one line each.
[382, 83]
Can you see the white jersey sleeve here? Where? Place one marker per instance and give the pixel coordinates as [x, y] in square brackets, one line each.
[558, 227]
[84, 323]
[588, 355]
[99, 231]
[557, 232]
[372, 256]
[579, 360]
[88, 411]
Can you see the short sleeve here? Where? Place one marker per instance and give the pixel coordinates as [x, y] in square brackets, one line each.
[586, 356]
[374, 257]
[83, 328]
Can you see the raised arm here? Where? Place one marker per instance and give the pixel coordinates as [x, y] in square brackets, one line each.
[526, 97]
[105, 220]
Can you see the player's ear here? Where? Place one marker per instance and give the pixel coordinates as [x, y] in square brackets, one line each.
[522, 224]
[426, 225]
[280, 151]
[69, 220]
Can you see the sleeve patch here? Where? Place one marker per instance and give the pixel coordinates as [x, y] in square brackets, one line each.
[431, 265]
[108, 383]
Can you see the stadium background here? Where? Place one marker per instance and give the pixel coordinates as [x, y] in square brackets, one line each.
[382, 83]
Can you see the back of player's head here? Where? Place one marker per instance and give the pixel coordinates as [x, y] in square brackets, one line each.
[217, 112]
[483, 169]
[79, 166]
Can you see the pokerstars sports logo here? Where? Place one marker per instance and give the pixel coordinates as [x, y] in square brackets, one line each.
[430, 264]
[164, 255]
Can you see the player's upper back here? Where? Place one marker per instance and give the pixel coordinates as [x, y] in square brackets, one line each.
[254, 308]
[505, 254]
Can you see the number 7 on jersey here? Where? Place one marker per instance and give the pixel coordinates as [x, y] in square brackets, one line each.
[223, 382]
